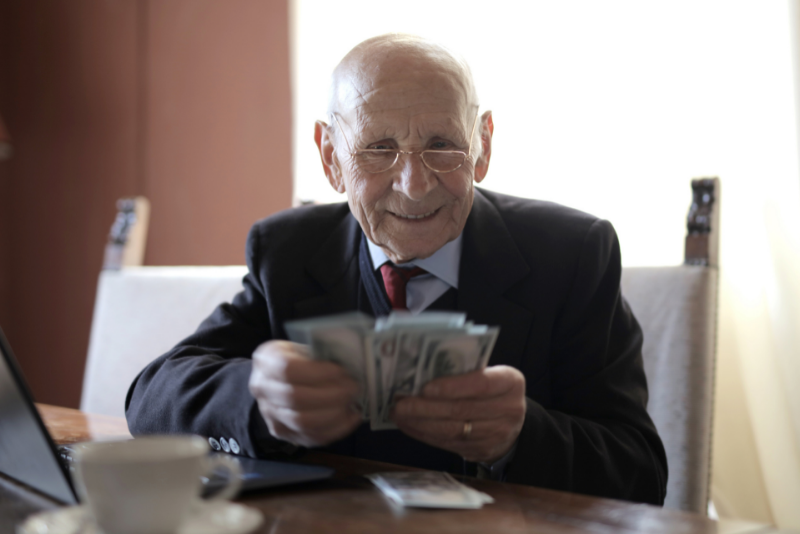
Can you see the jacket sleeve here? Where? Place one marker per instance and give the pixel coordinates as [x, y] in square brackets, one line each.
[201, 385]
[592, 433]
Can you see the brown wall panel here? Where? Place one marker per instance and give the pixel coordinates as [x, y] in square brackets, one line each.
[5, 234]
[186, 102]
[72, 116]
[5, 248]
[218, 128]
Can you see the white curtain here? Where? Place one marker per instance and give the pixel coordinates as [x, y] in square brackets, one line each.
[612, 107]
[756, 471]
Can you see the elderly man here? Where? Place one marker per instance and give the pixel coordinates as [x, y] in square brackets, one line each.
[562, 403]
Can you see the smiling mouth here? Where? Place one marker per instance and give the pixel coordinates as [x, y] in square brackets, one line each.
[415, 217]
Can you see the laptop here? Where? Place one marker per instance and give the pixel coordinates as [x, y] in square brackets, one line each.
[29, 455]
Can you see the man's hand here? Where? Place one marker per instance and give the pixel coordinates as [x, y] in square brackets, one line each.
[477, 415]
[304, 402]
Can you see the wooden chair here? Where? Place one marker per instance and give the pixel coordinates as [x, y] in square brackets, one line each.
[141, 312]
[128, 235]
[676, 307]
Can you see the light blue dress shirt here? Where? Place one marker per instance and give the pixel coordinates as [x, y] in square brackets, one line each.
[423, 290]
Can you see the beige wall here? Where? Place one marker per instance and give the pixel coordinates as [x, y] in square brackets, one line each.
[218, 125]
[184, 101]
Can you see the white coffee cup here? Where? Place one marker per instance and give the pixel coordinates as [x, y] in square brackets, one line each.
[148, 484]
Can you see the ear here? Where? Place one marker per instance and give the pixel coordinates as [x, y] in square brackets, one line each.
[323, 137]
[486, 131]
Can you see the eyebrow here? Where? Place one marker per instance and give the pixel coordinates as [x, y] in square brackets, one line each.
[428, 131]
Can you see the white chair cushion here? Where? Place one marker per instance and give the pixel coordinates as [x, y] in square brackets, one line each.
[676, 307]
[141, 313]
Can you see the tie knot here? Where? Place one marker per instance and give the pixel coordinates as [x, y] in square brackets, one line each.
[395, 280]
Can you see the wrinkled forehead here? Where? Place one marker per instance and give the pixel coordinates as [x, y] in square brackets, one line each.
[390, 77]
[414, 96]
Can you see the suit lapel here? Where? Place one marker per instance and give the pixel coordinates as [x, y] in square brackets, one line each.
[491, 264]
[335, 268]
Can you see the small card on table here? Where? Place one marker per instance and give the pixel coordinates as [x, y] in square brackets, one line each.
[428, 489]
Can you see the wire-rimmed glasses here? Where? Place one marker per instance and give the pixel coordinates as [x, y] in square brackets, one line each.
[378, 160]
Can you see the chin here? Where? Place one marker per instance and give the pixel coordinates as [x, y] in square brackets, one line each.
[419, 251]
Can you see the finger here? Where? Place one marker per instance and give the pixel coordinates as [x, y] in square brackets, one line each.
[485, 443]
[313, 421]
[284, 363]
[484, 450]
[276, 428]
[280, 346]
[317, 428]
[485, 437]
[457, 410]
[302, 397]
[482, 383]
[344, 428]
[448, 431]
[280, 431]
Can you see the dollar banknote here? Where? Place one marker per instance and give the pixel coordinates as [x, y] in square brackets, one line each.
[451, 353]
[396, 355]
[381, 353]
[300, 330]
[424, 355]
[338, 339]
[430, 320]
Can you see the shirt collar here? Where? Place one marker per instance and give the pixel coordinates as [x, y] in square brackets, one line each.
[443, 263]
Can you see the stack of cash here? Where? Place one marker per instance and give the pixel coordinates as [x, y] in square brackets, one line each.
[395, 356]
[428, 489]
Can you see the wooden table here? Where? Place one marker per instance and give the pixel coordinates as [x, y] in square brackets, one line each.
[349, 503]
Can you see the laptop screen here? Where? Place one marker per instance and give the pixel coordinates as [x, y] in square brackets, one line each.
[26, 451]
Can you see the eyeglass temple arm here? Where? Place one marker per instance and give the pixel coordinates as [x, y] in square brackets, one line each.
[339, 124]
[472, 135]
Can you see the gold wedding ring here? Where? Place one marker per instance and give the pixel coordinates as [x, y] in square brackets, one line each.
[467, 430]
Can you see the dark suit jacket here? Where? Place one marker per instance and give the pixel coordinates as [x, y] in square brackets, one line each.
[548, 275]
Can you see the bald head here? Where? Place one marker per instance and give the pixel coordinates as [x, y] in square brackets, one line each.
[379, 61]
[409, 105]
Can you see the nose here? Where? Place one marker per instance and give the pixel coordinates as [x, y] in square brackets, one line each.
[415, 179]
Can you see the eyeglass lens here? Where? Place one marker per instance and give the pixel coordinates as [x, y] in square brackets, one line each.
[376, 161]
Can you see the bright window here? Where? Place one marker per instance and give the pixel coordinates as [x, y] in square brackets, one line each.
[610, 107]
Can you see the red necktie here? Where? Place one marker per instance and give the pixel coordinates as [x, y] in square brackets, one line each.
[395, 280]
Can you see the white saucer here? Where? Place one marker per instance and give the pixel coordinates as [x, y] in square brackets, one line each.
[209, 518]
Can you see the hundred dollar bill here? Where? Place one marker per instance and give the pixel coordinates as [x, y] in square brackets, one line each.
[338, 339]
[429, 320]
[396, 355]
[403, 373]
[381, 351]
[300, 330]
[406, 373]
[451, 353]
[487, 344]
[345, 347]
